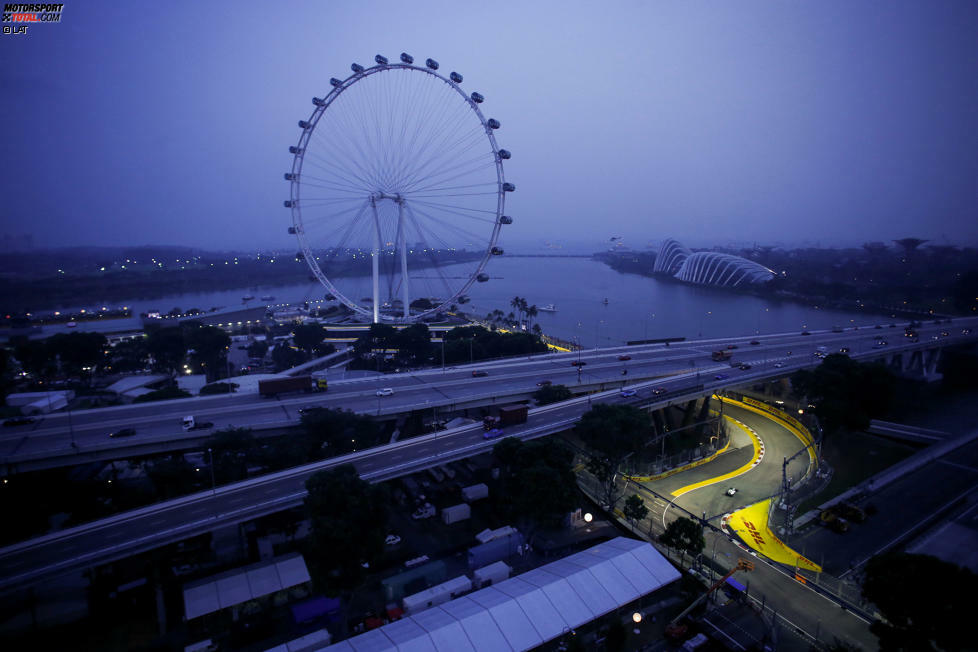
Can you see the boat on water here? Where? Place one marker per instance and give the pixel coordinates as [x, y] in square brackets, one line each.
[248, 297]
[267, 297]
[605, 302]
[547, 308]
[71, 324]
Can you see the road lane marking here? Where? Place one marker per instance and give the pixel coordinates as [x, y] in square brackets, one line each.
[754, 461]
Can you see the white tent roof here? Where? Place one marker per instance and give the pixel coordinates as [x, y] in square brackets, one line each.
[235, 587]
[526, 611]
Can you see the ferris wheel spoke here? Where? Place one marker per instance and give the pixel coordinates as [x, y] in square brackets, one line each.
[476, 218]
[431, 140]
[478, 166]
[429, 251]
[434, 149]
[425, 125]
[463, 171]
[318, 182]
[457, 207]
[451, 227]
[348, 148]
[330, 168]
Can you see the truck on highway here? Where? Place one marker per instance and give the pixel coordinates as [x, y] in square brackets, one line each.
[509, 415]
[274, 386]
[191, 423]
[720, 356]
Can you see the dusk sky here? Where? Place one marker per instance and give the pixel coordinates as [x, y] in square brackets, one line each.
[771, 122]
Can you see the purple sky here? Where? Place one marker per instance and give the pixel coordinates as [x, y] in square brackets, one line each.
[776, 122]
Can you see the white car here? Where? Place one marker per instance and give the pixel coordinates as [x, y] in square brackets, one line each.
[392, 540]
[731, 491]
[387, 391]
[778, 365]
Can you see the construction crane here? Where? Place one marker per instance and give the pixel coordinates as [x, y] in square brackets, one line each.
[674, 630]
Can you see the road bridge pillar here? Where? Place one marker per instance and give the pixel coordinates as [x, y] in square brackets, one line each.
[689, 413]
[704, 414]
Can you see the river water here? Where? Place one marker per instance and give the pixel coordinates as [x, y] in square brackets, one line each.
[638, 307]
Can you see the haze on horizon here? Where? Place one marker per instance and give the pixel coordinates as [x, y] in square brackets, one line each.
[832, 123]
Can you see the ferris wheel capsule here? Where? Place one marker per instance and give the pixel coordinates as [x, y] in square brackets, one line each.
[406, 58]
[493, 123]
[508, 187]
[455, 77]
[477, 98]
[431, 63]
[504, 154]
[356, 67]
[381, 60]
[335, 82]
[505, 219]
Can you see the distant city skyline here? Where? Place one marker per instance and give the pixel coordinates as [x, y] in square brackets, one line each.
[802, 124]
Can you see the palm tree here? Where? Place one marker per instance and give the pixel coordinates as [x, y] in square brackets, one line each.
[517, 304]
[532, 312]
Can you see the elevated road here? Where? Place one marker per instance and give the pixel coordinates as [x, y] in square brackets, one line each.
[82, 436]
[690, 370]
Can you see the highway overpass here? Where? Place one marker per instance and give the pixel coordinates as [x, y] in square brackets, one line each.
[691, 373]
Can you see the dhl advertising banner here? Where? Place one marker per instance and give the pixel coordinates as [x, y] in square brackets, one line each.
[750, 524]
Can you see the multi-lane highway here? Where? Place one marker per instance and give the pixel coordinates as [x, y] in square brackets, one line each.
[689, 367]
[63, 438]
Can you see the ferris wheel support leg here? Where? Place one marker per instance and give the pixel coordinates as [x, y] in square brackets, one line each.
[404, 269]
[375, 262]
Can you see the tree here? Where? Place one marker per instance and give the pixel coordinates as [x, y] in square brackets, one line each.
[35, 358]
[307, 336]
[909, 245]
[285, 357]
[684, 534]
[375, 341]
[230, 451]
[348, 518]
[77, 351]
[927, 603]
[846, 393]
[130, 355]
[341, 431]
[209, 348]
[414, 344]
[612, 433]
[258, 349]
[551, 394]
[538, 484]
[635, 509]
[168, 348]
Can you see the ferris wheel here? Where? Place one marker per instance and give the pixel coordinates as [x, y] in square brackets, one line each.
[397, 190]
